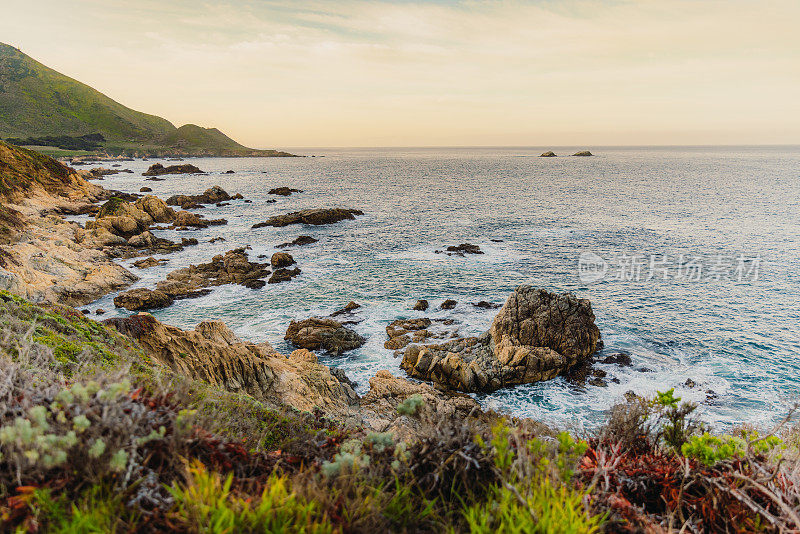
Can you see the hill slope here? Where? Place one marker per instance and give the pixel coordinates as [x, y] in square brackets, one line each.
[36, 101]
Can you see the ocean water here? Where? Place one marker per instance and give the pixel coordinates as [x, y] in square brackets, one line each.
[689, 255]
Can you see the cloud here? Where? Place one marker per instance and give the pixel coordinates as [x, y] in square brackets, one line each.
[412, 73]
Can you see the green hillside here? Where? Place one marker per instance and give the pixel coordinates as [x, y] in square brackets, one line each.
[38, 102]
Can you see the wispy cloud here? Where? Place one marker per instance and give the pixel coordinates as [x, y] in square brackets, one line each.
[366, 73]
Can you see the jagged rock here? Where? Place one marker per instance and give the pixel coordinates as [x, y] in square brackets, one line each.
[142, 299]
[300, 241]
[187, 218]
[284, 191]
[619, 358]
[465, 248]
[315, 216]
[146, 263]
[158, 169]
[189, 282]
[100, 311]
[121, 218]
[348, 309]
[536, 336]
[399, 329]
[283, 275]
[548, 154]
[281, 259]
[211, 195]
[583, 153]
[212, 353]
[379, 405]
[323, 333]
[156, 209]
[485, 305]
[421, 305]
[448, 304]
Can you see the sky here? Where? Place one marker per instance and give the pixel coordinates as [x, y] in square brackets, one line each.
[437, 73]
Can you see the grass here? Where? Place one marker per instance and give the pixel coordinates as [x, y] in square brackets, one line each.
[95, 438]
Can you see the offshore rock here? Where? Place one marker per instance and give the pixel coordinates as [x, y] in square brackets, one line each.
[314, 216]
[158, 169]
[536, 336]
[322, 333]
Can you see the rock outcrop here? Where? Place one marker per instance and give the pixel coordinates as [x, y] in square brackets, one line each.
[536, 336]
[320, 333]
[212, 195]
[43, 257]
[298, 242]
[158, 169]
[465, 248]
[284, 191]
[213, 353]
[231, 268]
[314, 216]
[583, 153]
[281, 259]
[548, 154]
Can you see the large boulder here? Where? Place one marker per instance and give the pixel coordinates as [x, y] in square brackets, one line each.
[121, 218]
[314, 216]
[536, 336]
[323, 333]
[156, 208]
[211, 195]
[142, 299]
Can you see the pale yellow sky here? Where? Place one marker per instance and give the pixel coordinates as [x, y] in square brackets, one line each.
[353, 73]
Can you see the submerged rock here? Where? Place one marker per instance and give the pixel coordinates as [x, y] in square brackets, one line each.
[323, 333]
[158, 169]
[315, 216]
[536, 336]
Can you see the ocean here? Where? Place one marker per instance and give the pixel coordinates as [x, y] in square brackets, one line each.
[689, 255]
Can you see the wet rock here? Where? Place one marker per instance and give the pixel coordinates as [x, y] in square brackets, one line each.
[486, 305]
[348, 309]
[158, 169]
[463, 248]
[190, 282]
[218, 239]
[323, 333]
[142, 299]
[299, 242]
[399, 330]
[146, 263]
[536, 336]
[583, 153]
[421, 305]
[281, 259]
[284, 191]
[283, 275]
[184, 219]
[99, 311]
[145, 189]
[188, 241]
[315, 216]
[448, 304]
[548, 154]
[342, 377]
[212, 195]
[85, 312]
[620, 358]
[689, 383]
[228, 172]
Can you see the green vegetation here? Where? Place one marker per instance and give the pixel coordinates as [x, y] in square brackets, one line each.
[40, 103]
[94, 437]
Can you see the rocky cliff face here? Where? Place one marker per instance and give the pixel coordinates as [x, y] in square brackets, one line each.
[536, 336]
[42, 256]
[212, 353]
